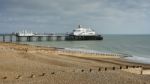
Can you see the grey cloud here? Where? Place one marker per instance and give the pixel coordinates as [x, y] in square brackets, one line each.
[106, 16]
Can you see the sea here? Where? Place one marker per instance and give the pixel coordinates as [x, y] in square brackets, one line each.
[137, 46]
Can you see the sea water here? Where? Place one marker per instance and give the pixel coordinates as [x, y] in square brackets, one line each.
[138, 46]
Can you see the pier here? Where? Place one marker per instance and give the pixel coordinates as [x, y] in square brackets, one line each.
[45, 37]
[34, 38]
[78, 34]
[7, 37]
[38, 38]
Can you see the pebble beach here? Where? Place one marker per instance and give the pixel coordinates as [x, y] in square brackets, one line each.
[26, 64]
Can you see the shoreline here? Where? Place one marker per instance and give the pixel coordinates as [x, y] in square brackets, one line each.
[80, 54]
[87, 52]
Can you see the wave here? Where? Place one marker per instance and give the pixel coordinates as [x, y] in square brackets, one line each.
[88, 51]
[139, 59]
[132, 58]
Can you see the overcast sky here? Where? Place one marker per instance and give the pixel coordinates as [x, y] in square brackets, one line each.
[104, 16]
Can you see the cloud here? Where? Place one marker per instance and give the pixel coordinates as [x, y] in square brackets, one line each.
[106, 16]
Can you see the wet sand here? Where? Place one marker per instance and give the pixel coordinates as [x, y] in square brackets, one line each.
[26, 64]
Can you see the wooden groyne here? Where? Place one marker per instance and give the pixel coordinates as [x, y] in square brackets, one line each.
[131, 69]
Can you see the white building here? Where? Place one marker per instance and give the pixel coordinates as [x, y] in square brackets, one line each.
[81, 31]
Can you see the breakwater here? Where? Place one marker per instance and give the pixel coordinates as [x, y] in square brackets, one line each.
[130, 69]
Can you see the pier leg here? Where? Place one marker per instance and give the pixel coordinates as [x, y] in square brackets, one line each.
[63, 38]
[49, 38]
[39, 38]
[44, 38]
[58, 38]
[11, 38]
[18, 39]
[54, 38]
[29, 39]
[3, 38]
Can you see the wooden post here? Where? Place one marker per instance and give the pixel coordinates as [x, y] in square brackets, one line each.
[82, 70]
[99, 69]
[5, 77]
[43, 74]
[141, 70]
[52, 72]
[113, 68]
[90, 70]
[18, 77]
[127, 66]
[120, 67]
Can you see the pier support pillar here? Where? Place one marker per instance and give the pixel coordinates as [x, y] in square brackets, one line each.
[49, 38]
[58, 38]
[33, 38]
[18, 38]
[11, 37]
[39, 38]
[3, 38]
[44, 38]
[54, 38]
[29, 38]
[63, 38]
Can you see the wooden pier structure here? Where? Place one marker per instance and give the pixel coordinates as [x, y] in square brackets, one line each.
[38, 38]
[45, 37]
[34, 38]
[7, 37]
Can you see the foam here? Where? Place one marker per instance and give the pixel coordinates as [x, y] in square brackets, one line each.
[139, 59]
[88, 51]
